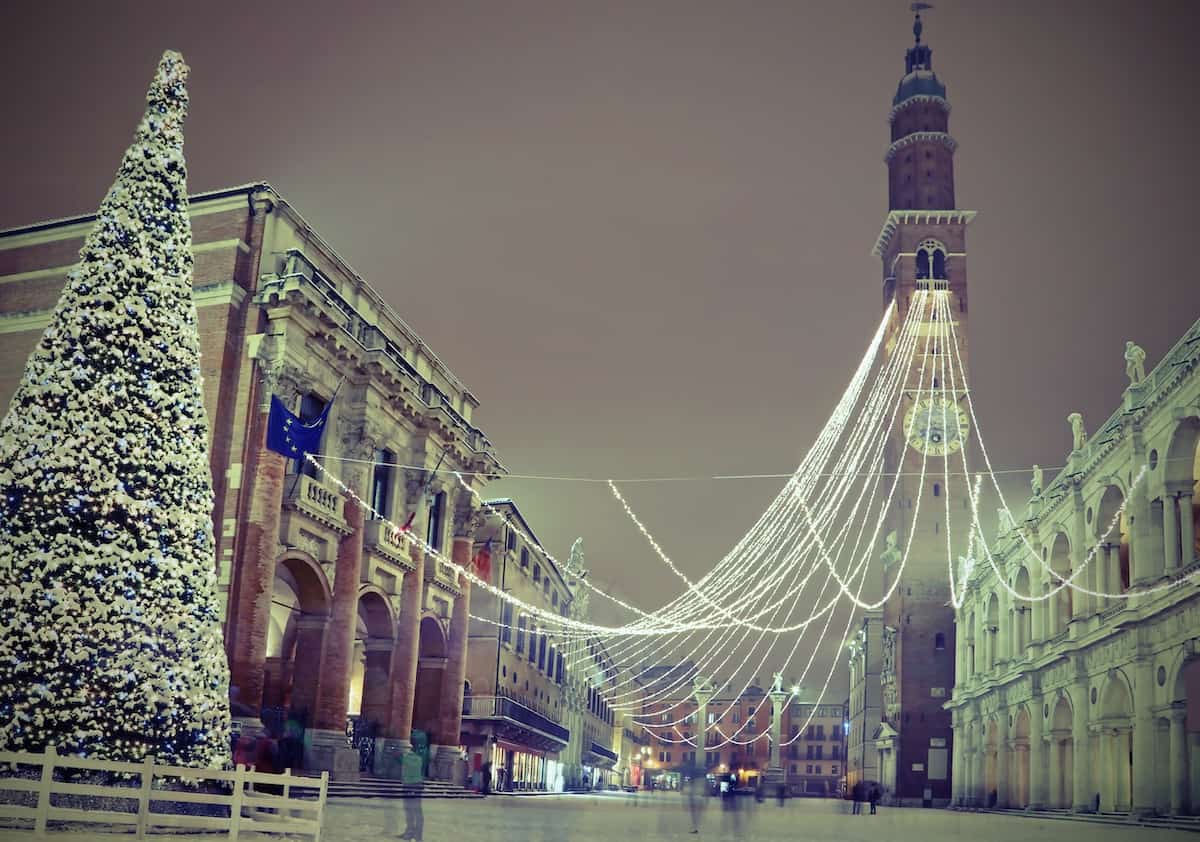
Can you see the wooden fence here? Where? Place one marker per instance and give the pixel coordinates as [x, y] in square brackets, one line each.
[255, 802]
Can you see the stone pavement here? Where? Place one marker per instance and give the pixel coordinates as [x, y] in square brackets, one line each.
[663, 816]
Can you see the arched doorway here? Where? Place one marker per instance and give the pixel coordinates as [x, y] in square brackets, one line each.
[374, 639]
[1115, 771]
[1018, 787]
[300, 600]
[1022, 631]
[431, 667]
[1181, 473]
[1062, 755]
[1112, 557]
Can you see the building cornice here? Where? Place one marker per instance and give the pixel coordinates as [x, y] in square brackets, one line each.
[896, 218]
[919, 137]
[917, 98]
[213, 201]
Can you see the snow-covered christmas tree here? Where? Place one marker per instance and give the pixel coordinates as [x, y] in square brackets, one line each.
[112, 640]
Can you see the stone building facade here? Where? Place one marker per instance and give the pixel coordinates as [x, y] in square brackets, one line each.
[329, 612]
[864, 706]
[516, 712]
[1065, 697]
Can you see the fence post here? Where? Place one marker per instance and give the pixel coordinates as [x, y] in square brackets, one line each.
[49, 754]
[321, 806]
[144, 795]
[235, 808]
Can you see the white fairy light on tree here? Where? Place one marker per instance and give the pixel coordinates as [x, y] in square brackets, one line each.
[113, 640]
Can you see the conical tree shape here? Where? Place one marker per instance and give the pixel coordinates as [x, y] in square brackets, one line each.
[112, 646]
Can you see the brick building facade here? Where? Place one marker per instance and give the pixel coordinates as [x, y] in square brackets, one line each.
[812, 751]
[328, 611]
[922, 246]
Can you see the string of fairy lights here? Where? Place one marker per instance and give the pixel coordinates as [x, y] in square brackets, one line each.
[810, 553]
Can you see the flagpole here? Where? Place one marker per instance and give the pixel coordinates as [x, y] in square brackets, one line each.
[303, 458]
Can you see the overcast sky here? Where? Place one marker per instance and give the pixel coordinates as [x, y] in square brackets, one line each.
[641, 232]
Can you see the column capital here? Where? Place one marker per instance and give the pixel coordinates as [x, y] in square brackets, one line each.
[468, 515]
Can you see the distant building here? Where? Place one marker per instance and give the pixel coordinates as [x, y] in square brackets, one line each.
[812, 753]
[514, 705]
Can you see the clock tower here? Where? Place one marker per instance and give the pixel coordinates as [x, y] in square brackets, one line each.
[923, 249]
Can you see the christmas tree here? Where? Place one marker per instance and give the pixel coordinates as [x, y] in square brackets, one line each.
[112, 646]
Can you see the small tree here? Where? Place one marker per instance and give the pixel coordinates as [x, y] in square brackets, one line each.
[112, 645]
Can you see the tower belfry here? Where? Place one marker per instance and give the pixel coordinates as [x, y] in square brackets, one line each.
[922, 246]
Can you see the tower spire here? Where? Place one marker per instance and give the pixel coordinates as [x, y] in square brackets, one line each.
[919, 56]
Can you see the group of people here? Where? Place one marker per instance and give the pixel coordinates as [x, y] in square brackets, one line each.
[863, 792]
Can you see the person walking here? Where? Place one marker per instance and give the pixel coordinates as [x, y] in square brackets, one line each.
[696, 797]
[874, 798]
[857, 795]
[485, 778]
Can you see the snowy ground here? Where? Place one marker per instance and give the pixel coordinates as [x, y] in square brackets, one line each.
[662, 816]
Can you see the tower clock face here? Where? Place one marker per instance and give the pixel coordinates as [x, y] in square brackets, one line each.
[936, 426]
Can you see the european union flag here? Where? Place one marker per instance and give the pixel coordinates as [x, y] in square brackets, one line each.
[288, 435]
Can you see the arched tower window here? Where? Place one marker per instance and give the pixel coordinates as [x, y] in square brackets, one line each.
[931, 261]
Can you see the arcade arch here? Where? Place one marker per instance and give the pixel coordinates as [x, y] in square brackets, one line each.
[300, 602]
[431, 668]
[1061, 754]
[374, 641]
[1115, 769]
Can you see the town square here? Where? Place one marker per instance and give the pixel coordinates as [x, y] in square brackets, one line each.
[573, 420]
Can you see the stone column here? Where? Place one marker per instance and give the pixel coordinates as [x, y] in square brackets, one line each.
[1081, 603]
[1105, 579]
[1081, 771]
[259, 547]
[1037, 756]
[702, 690]
[1143, 736]
[1124, 744]
[1037, 610]
[466, 519]
[1171, 532]
[980, 776]
[966, 774]
[1143, 566]
[339, 642]
[1178, 760]
[777, 702]
[1187, 528]
[1002, 758]
[329, 728]
[1193, 764]
[958, 768]
[408, 629]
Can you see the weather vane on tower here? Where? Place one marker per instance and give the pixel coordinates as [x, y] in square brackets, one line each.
[918, 8]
